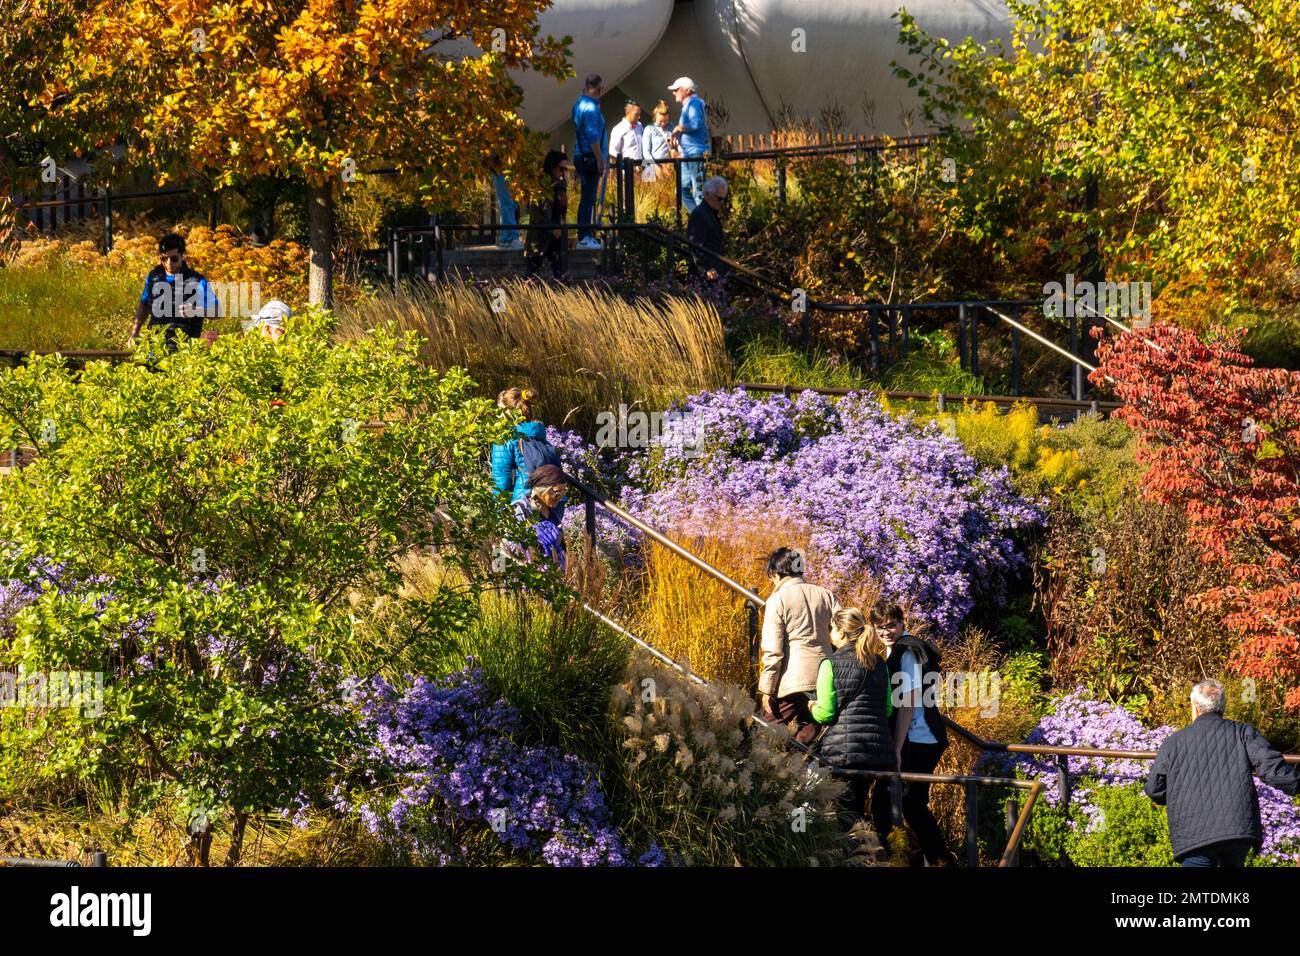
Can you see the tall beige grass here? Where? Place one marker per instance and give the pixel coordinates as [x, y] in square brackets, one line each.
[690, 616]
[584, 350]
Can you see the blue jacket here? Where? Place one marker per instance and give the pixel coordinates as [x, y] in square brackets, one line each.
[589, 127]
[508, 474]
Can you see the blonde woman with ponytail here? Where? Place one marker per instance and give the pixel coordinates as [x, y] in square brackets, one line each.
[853, 702]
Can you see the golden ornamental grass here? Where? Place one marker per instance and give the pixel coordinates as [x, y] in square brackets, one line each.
[582, 349]
[691, 616]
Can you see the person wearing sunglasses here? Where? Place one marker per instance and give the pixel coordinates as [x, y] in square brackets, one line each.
[175, 297]
[704, 228]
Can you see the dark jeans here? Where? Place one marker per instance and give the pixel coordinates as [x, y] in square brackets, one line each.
[628, 170]
[795, 708]
[1227, 853]
[918, 758]
[589, 178]
[546, 249]
[853, 805]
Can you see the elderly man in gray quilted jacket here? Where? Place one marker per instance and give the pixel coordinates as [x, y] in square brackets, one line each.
[1203, 774]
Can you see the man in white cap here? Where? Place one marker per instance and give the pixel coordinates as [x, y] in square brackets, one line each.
[269, 320]
[691, 136]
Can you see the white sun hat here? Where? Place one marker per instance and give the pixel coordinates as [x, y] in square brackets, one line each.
[273, 313]
[683, 82]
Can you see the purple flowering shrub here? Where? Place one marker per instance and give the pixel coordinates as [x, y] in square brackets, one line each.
[451, 752]
[878, 497]
[1079, 721]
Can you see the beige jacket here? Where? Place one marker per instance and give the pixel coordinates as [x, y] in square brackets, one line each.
[796, 636]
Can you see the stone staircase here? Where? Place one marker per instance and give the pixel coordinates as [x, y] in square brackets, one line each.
[492, 261]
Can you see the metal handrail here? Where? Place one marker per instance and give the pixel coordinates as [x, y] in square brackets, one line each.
[943, 397]
[97, 859]
[659, 538]
[863, 146]
[1061, 751]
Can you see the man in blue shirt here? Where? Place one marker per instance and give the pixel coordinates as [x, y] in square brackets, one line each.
[175, 297]
[589, 156]
[691, 137]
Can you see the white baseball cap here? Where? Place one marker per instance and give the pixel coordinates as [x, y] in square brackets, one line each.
[683, 82]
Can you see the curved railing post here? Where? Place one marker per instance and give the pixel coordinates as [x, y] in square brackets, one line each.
[972, 824]
[1063, 780]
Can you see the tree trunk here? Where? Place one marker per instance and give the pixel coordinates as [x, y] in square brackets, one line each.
[200, 847]
[320, 218]
[237, 838]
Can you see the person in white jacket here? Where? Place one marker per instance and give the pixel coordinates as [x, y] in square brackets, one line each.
[796, 636]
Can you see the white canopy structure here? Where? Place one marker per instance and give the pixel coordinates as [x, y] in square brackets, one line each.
[760, 60]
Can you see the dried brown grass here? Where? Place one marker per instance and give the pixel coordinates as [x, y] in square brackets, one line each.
[582, 349]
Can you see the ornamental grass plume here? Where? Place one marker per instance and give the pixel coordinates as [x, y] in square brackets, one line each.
[711, 785]
[584, 350]
[690, 616]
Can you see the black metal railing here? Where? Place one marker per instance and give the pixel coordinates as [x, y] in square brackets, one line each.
[422, 251]
[97, 859]
[942, 400]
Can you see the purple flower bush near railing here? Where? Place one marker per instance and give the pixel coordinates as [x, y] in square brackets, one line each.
[17, 594]
[453, 750]
[1079, 721]
[880, 497]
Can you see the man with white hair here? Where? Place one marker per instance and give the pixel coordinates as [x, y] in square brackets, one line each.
[704, 228]
[269, 320]
[691, 137]
[1203, 774]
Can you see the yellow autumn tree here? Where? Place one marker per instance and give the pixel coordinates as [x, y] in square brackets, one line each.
[1181, 115]
[30, 32]
[322, 89]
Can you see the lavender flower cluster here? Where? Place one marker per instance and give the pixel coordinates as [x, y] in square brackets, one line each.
[1080, 721]
[453, 748]
[130, 647]
[878, 496]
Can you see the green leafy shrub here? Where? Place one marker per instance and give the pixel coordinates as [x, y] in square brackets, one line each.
[191, 532]
[1047, 833]
[1133, 832]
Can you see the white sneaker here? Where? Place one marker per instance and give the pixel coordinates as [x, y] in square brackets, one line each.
[591, 242]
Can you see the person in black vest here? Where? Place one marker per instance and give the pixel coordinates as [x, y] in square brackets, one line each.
[920, 737]
[175, 298]
[1202, 773]
[853, 699]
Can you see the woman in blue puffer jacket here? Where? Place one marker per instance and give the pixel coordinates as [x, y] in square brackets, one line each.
[528, 450]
